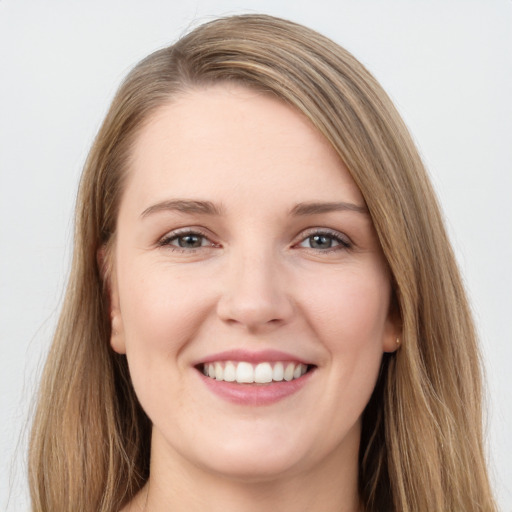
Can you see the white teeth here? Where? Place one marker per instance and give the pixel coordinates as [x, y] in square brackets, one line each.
[289, 371]
[263, 373]
[244, 373]
[247, 373]
[229, 372]
[219, 371]
[278, 372]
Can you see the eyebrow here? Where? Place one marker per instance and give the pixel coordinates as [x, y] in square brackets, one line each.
[316, 208]
[183, 206]
[208, 208]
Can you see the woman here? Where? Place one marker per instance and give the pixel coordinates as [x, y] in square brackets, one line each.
[264, 311]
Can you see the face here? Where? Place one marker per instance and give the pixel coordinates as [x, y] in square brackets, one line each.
[244, 251]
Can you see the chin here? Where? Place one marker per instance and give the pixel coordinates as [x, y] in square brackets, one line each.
[254, 468]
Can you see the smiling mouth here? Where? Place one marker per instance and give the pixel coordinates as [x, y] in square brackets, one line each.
[243, 372]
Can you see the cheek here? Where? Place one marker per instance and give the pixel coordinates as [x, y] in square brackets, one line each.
[349, 312]
[161, 315]
[349, 316]
[160, 309]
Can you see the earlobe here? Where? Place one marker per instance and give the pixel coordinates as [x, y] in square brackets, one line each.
[392, 339]
[117, 341]
[110, 289]
[391, 343]
[117, 333]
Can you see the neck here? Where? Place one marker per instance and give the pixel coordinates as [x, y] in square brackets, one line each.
[178, 485]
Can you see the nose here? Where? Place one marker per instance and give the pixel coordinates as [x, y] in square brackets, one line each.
[255, 294]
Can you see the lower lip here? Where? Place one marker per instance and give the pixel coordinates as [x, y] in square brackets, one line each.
[255, 394]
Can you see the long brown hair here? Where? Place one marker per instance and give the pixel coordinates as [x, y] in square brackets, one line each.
[421, 446]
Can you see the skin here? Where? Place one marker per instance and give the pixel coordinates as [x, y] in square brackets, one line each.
[256, 282]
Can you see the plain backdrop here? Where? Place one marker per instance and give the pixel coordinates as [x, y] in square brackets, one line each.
[447, 65]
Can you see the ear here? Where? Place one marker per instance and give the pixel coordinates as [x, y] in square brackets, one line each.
[108, 276]
[393, 328]
[117, 339]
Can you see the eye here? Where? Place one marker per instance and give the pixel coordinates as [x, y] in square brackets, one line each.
[325, 241]
[185, 240]
[190, 241]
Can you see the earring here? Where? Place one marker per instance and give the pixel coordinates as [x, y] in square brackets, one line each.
[398, 341]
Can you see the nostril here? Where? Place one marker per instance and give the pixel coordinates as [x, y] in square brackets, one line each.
[255, 302]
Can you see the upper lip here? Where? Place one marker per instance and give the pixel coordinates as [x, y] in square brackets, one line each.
[253, 357]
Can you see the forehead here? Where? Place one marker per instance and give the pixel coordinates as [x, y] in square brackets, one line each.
[234, 142]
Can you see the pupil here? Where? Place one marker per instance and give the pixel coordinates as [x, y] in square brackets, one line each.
[320, 242]
[190, 241]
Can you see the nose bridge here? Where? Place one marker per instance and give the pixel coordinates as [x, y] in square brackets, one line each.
[254, 292]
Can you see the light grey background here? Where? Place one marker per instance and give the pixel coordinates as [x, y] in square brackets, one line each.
[447, 64]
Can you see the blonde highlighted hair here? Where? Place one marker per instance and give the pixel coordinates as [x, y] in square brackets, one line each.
[421, 446]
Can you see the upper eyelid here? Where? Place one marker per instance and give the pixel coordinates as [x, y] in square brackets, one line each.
[186, 230]
[305, 233]
[176, 233]
[302, 235]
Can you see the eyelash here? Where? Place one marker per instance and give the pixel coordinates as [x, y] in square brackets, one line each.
[342, 240]
[343, 243]
[167, 240]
